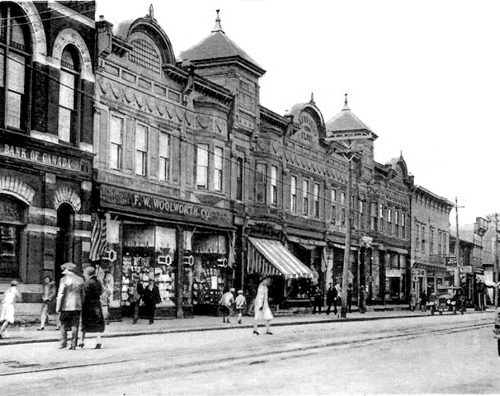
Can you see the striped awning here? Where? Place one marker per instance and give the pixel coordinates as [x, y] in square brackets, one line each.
[269, 257]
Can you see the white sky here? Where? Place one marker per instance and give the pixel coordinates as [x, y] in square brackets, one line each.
[424, 75]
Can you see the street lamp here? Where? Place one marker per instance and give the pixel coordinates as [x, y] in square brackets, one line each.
[349, 153]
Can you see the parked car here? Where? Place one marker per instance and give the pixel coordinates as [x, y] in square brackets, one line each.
[448, 299]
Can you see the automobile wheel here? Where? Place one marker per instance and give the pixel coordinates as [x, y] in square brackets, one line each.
[498, 346]
[440, 312]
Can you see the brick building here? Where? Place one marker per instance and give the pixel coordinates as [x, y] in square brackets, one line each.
[46, 139]
[163, 163]
[430, 240]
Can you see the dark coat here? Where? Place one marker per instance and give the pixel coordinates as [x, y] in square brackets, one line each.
[92, 318]
[151, 297]
[331, 295]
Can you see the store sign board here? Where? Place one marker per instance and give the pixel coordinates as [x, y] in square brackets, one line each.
[164, 206]
[392, 273]
[466, 269]
[40, 157]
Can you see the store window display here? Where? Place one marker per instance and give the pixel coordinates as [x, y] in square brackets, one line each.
[149, 253]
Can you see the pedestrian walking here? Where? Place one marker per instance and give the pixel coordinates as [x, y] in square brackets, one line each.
[226, 303]
[10, 298]
[362, 299]
[92, 317]
[240, 303]
[331, 299]
[262, 310]
[151, 297]
[317, 299]
[48, 299]
[69, 303]
[413, 300]
[349, 297]
[106, 295]
[423, 301]
[135, 296]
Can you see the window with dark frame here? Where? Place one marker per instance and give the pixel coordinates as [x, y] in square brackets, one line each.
[141, 150]
[218, 167]
[261, 183]
[293, 194]
[239, 179]
[164, 154]
[202, 166]
[316, 199]
[305, 197]
[274, 185]
[14, 60]
[333, 198]
[68, 88]
[116, 143]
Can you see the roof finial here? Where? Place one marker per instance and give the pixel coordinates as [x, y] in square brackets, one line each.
[151, 13]
[217, 26]
[312, 98]
[346, 106]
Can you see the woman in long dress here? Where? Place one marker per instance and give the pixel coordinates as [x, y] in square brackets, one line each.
[261, 307]
[92, 318]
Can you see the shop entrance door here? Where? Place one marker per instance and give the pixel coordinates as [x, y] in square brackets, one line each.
[64, 239]
[12, 217]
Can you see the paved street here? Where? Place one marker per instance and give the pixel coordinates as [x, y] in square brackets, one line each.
[441, 354]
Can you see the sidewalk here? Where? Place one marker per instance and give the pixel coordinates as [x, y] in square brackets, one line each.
[125, 328]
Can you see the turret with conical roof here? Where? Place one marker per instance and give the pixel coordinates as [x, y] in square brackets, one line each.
[222, 61]
[346, 121]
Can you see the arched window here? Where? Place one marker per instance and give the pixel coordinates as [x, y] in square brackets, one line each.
[68, 98]
[14, 59]
[146, 55]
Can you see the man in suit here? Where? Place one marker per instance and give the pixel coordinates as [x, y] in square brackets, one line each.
[69, 303]
[151, 297]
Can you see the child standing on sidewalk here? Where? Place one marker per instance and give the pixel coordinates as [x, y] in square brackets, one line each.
[241, 303]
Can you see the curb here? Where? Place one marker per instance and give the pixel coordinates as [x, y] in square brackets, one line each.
[303, 322]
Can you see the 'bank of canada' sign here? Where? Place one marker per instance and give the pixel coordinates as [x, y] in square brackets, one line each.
[29, 154]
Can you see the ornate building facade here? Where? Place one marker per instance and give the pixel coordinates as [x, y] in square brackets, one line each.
[46, 139]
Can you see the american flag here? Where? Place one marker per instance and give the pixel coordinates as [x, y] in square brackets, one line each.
[98, 239]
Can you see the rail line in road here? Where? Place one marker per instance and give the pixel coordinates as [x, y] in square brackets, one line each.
[281, 348]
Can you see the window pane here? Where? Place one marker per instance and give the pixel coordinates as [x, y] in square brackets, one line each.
[15, 73]
[17, 32]
[116, 130]
[64, 126]
[2, 60]
[141, 140]
[139, 163]
[218, 153]
[202, 155]
[202, 165]
[115, 160]
[13, 116]
[164, 145]
[66, 90]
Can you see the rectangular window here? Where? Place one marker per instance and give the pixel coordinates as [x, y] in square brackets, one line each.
[116, 145]
[261, 183]
[333, 197]
[218, 165]
[418, 242]
[239, 179]
[274, 185]
[316, 199]
[202, 165]
[141, 150]
[293, 194]
[15, 86]
[164, 156]
[342, 216]
[423, 238]
[342, 198]
[305, 197]
[389, 222]
[431, 241]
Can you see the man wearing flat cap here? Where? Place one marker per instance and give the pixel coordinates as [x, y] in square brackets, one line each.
[69, 303]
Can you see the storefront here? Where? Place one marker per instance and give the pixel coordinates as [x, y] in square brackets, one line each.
[186, 248]
[291, 278]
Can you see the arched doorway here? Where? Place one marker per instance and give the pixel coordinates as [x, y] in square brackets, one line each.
[64, 240]
[12, 223]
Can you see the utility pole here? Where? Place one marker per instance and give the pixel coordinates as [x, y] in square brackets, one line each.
[457, 248]
[495, 264]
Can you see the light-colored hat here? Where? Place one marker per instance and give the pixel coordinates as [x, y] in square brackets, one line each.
[13, 283]
[232, 290]
[240, 291]
[68, 267]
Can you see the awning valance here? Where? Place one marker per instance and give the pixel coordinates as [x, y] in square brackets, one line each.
[268, 257]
